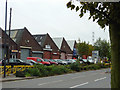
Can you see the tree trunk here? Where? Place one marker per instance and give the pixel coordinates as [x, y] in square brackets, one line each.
[114, 30]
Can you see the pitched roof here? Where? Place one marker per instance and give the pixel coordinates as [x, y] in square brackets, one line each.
[71, 43]
[40, 38]
[2, 35]
[16, 34]
[58, 41]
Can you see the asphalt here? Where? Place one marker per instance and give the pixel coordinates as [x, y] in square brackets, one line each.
[87, 79]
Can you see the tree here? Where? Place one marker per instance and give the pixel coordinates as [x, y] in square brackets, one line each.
[103, 47]
[84, 48]
[91, 48]
[105, 14]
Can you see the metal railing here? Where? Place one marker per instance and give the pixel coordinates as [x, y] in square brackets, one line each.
[10, 70]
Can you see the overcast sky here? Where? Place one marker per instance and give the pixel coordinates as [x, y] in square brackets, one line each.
[53, 17]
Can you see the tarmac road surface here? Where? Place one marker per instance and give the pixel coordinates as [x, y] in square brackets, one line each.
[87, 79]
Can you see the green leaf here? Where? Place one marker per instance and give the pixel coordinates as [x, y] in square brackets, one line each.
[69, 4]
[77, 8]
[72, 7]
[81, 15]
[89, 18]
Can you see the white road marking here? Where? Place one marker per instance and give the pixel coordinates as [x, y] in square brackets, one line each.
[50, 82]
[79, 85]
[100, 79]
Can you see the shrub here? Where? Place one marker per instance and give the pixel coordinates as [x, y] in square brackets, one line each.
[95, 66]
[33, 72]
[75, 67]
[85, 67]
[42, 70]
[56, 70]
[20, 74]
[90, 67]
[27, 74]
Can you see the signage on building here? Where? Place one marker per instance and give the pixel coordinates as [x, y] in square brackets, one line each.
[14, 51]
[74, 52]
[95, 54]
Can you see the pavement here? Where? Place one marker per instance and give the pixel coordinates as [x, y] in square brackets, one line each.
[87, 79]
[13, 78]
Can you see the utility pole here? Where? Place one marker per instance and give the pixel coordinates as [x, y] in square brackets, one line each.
[9, 34]
[5, 48]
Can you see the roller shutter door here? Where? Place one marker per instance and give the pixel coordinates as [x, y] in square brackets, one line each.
[63, 55]
[25, 53]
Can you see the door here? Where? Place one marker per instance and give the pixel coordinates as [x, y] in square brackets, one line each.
[24, 54]
[63, 55]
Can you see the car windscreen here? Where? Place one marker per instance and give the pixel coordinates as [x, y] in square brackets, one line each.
[53, 60]
[46, 60]
[38, 60]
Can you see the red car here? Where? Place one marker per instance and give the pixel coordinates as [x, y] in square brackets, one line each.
[39, 60]
[52, 61]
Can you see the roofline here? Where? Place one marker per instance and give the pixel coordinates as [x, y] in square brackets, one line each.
[38, 34]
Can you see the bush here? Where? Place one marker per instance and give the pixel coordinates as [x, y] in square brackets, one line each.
[75, 67]
[27, 74]
[20, 74]
[33, 72]
[85, 68]
[56, 70]
[42, 70]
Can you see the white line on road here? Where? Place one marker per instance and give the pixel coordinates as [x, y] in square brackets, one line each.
[100, 79]
[79, 85]
[50, 82]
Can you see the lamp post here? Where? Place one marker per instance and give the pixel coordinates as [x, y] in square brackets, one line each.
[9, 34]
[5, 54]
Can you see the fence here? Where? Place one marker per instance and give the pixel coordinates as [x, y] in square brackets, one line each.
[10, 70]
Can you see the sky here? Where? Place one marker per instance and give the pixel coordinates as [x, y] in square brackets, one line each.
[53, 17]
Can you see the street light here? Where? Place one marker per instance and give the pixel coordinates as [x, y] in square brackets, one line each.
[5, 39]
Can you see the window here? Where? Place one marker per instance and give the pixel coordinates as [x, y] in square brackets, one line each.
[40, 38]
[17, 61]
[39, 43]
[47, 46]
[36, 38]
[38, 60]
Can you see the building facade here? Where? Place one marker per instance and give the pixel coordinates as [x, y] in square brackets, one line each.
[29, 47]
[50, 49]
[12, 48]
[64, 49]
[73, 46]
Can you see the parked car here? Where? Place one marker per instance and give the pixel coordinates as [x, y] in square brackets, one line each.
[61, 62]
[85, 61]
[33, 62]
[81, 61]
[53, 62]
[13, 62]
[46, 60]
[39, 60]
[70, 61]
[90, 60]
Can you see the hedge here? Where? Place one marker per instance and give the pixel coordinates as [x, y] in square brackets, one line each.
[42, 70]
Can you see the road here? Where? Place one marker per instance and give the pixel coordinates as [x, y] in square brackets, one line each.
[87, 79]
